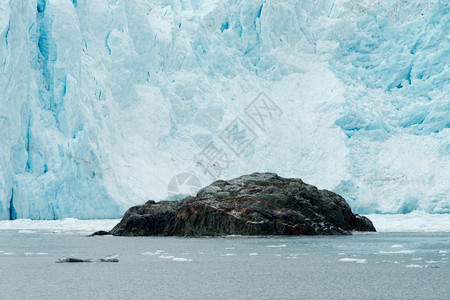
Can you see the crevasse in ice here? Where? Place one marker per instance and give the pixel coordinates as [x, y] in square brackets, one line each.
[103, 102]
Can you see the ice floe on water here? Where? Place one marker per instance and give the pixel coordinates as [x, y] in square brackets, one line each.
[110, 258]
[35, 253]
[181, 259]
[27, 231]
[277, 246]
[415, 221]
[173, 258]
[397, 246]
[157, 252]
[72, 259]
[253, 254]
[27, 226]
[414, 266]
[397, 252]
[356, 260]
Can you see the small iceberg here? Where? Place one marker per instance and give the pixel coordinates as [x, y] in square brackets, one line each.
[109, 258]
[73, 260]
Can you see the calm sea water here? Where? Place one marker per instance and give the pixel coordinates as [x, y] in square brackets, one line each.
[369, 266]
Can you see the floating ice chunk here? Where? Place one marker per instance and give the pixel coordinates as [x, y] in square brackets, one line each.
[253, 254]
[442, 251]
[26, 231]
[276, 246]
[356, 260]
[38, 253]
[416, 221]
[228, 254]
[414, 266]
[181, 259]
[157, 252]
[166, 256]
[397, 252]
[73, 260]
[416, 258]
[397, 246]
[58, 226]
[109, 258]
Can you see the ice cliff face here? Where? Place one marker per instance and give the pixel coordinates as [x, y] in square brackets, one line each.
[103, 102]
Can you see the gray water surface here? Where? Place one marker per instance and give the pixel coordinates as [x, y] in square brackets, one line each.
[366, 266]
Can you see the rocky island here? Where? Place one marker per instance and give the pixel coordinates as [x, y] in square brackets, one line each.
[255, 204]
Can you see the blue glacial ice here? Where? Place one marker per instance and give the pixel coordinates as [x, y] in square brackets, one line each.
[103, 102]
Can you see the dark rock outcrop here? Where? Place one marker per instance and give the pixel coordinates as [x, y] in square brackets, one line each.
[256, 204]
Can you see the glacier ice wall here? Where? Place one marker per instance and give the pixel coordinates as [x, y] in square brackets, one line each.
[103, 102]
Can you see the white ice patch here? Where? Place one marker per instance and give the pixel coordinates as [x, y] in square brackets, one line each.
[157, 252]
[59, 226]
[253, 254]
[416, 221]
[167, 256]
[277, 246]
[37, 253]
[228, 254]
[181, 259]
[397, 246]
[26, 231]
[356, 260]
[397, 252]
[414, 266]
